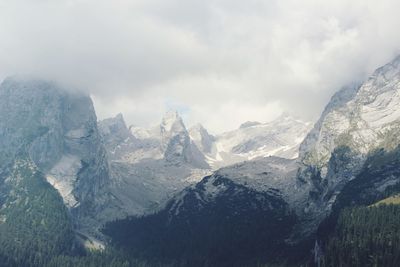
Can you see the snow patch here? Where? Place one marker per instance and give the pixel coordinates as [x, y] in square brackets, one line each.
[63, 177]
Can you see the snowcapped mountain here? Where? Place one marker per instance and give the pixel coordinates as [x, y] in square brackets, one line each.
[149, 168]
[280, 137]
[274, 195]
[358, 122]
[350, 156]
[169, 141]
[362, 117]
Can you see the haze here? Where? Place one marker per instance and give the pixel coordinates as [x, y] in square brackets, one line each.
[219, 63]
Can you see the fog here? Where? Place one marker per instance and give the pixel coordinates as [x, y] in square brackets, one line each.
[219, 63]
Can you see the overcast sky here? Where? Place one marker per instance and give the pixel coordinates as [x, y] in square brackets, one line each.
[219, 63]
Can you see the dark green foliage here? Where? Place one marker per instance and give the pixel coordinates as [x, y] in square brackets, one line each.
[36, 229]
[240, 228]
[381, 167]
[349, 233]
[107, 258]
[365, 236]
[35, 223]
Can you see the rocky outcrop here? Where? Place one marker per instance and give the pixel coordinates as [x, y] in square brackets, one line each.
[149, 166]
[358, 121]
[349, 155]
[58, 130]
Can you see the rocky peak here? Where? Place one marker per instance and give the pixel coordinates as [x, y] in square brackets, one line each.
[176, 143]
[58, 130]
[359, 117]
[115, 126]
[172, 122]
[358, 121]
[201, 138]
[117, 137]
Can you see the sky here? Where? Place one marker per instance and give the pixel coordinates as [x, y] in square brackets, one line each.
[217, 62]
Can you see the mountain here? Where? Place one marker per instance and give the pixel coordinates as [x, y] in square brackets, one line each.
[176, 142]
[364, 211]
[203, 140]
[360, 117]
[52, 158]
[358, 122]
[227, 219]
[149, 168]
[117, 138]
[280, 137]
[169, 141]
[55, 184]
[349, 157]
[162, 195]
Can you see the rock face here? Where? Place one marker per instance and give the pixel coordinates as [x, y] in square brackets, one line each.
[117, 138]
[351, 155]
[361, 117]
[358, 121]
[169, 141]
[58, 130]
[280, 138]
[149, 166]
[176, 143]
[203, 140]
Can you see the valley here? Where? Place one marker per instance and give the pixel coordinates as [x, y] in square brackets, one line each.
[103, 193]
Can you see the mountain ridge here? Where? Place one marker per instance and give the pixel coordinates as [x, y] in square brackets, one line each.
[332, 162]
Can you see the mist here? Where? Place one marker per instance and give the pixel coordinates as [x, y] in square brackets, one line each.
[219, 63]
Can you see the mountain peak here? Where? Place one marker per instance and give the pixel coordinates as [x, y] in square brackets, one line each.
[59, 128]
[201, 138]
[119, 117]
[114, 125]
[386, 73]
[172, 121]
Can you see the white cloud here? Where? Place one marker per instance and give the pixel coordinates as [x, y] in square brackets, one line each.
[222, 62]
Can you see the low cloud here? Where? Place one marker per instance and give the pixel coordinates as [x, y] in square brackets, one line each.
[220, 62]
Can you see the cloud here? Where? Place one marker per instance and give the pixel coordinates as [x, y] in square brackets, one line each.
[221, 62]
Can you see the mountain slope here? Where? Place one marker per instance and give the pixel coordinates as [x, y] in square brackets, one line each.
[280, 137]
[117, 138]
[219, 221]
[357, 122]
[58, 131]
[363, 219]
[35, 226]
[360, 117]
[349, 157]
[148, 169]
[239, 216]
